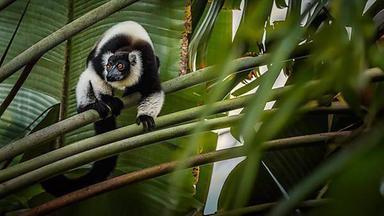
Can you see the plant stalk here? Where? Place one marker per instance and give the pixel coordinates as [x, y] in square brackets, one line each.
[61, 35]
[110, 150]
[44, 135]
[159, 170]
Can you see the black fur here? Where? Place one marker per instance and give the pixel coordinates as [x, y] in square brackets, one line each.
[113, 45]
[149, 83]
[147, 121]
[60, 184]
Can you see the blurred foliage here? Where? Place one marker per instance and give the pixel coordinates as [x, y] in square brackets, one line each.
[323, 47]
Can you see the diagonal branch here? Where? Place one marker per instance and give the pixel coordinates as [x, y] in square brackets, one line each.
[118, 134]
[169, 167]
[20, 81]
[5, 3]
[133, 177]
[109, 150]
[14, 33]
[44, 135]
[61, 35]
[132, 130]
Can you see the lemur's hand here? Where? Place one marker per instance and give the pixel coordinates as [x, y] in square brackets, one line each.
[114, 103]
[147, 121]
[99, 106]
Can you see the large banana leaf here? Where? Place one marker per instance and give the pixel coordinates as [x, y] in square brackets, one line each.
[55, 77]
[27, 109]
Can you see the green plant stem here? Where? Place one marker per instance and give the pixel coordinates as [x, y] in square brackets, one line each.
[115, 135]
[158, 170]
[133, 130]
[20, 81]
[109, 150]
[44, 135]
[14, 33]
[130, 178]
[61, 35]
[266, 206]
[142, 140]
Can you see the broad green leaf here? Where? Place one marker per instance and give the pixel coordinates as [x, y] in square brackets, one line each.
[50, 118]
[358, 190]
[232, 4]
[57, 73]
[287, 166]
[42, 18]
[23, 114]
[199, 41]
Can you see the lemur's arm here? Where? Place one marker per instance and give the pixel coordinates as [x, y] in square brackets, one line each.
[94, 93]
[148, 109]
[149, 86]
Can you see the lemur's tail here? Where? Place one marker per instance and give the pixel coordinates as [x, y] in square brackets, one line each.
[60, 185]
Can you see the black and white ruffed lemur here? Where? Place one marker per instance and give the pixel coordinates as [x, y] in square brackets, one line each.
[123, 58]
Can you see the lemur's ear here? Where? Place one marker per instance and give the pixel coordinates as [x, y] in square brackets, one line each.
[132, 58]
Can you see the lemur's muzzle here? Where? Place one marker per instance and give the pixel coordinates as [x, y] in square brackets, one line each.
[114, 75]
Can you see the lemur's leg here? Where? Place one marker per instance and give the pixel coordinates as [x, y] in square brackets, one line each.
[94, 93]
[148, 109]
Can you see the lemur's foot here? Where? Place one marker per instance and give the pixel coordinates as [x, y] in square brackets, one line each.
[99, 106]
[147, 121]
[114, 103]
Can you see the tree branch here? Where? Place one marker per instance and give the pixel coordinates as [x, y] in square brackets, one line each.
[109, 150]
[44, 135]
[132, 130]
[118, 134]
[20, 81]
[5, 3]
[61, 35]
[165, 168]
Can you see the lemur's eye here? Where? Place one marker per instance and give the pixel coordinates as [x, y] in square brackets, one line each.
[120, 67]
[108, 66]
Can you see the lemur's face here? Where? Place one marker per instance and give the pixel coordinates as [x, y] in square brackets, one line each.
[118, 66]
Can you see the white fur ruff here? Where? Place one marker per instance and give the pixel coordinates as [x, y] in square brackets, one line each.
[105, 58]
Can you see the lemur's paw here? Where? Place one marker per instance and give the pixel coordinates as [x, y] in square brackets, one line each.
[114, 103]
[99, 106]
[147, 121]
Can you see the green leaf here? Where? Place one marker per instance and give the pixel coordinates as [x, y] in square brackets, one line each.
[232, 4]
[363, 178]
[41, 19]
[282, 168]
[23, 114]
[198, 44]
[188, 192]
[56, 75]
[50, 118]
[249, 86]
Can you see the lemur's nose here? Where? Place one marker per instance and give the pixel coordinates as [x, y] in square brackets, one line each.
[111, 78]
